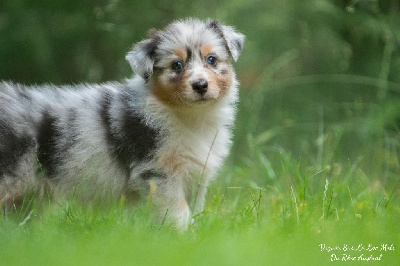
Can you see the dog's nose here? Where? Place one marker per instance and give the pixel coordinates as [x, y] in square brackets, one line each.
[200, 86]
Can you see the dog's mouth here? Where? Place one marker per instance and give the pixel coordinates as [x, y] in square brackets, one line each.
[199, 100]
[192, 100]
[205, 98]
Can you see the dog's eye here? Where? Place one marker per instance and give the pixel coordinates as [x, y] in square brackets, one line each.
[212, 60]
[177, 65]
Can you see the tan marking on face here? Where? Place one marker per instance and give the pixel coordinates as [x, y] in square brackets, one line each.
[219, 83]
[169, 93]
[225, 81]
[181, 53]
[205, 50]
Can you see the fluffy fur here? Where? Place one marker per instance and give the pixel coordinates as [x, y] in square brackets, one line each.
[167, 128]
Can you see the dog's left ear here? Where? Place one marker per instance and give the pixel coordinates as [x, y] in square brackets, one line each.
[234, 40]
[141, 57]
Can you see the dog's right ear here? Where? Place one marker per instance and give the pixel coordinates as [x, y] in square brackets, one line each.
[141, 57]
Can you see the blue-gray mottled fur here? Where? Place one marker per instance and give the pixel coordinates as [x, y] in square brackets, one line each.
[119, 138]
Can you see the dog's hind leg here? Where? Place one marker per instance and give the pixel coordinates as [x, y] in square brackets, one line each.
[17, 167]
[16, 183]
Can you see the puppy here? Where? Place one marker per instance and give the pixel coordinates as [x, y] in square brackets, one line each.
[163, 132]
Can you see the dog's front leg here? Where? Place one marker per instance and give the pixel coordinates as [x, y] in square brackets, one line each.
[170, 202]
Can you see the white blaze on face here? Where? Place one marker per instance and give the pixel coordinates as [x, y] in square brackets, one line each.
[197, 71]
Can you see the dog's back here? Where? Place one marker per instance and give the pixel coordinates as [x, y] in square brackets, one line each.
[64, 136]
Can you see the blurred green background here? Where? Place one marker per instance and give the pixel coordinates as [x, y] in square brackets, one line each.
[317, 140]
[320, 79]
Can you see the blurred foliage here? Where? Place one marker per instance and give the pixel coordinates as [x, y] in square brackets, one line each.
[71, 41]
[317, 139]
[320, 78]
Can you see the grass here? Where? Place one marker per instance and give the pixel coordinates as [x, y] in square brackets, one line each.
[292, 218]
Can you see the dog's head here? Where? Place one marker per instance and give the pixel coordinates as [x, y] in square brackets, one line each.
[188, 62]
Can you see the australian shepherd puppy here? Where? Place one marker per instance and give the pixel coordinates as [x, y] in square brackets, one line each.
[163, 132]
